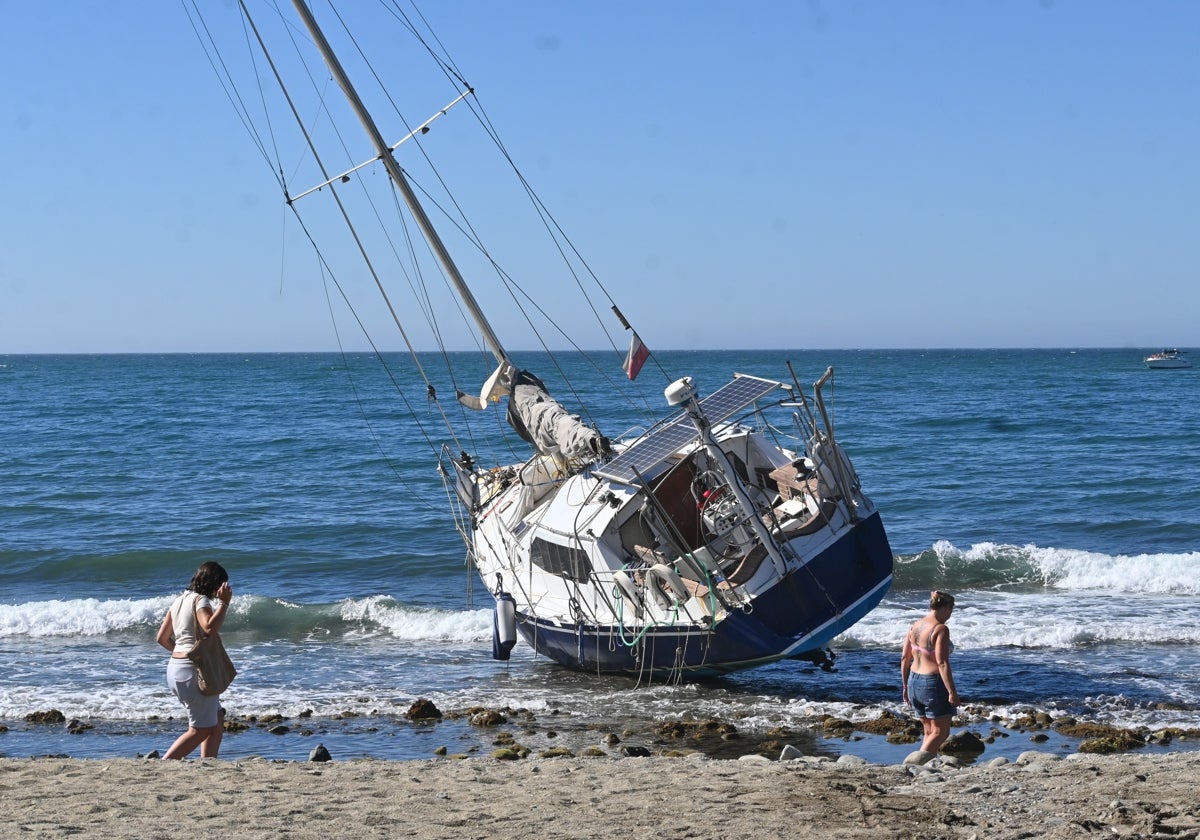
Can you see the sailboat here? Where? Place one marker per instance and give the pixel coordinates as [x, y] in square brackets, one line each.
[714, 538]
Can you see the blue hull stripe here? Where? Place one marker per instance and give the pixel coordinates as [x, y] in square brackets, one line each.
[799, 615]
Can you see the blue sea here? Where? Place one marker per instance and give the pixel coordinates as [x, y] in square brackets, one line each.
[1055, 492]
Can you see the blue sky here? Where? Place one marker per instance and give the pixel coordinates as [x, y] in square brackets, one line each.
[826, 175]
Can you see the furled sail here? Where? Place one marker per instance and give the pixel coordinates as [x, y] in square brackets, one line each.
[542, 421]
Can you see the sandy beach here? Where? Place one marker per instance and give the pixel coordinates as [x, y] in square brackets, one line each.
[1039, 795]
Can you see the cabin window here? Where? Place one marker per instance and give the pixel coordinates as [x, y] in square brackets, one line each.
[573, 563]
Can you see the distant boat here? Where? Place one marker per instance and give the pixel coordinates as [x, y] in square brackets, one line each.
[1169, 358]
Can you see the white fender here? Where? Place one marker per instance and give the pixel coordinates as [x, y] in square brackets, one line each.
[666, 585]
[504, 626]
[628, 589]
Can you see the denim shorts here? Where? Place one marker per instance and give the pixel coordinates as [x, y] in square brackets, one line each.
[928, 696]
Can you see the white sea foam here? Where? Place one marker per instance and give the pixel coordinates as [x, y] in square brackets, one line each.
[999, 564]
[1173, 574]
[80, 617]
[420, 624]
[115, 701]
[90, 617]
[1042, 620]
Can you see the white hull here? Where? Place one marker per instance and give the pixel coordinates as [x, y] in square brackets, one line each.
[1167, 360]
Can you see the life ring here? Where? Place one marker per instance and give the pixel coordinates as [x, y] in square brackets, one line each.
[666, 586]
[627, 589]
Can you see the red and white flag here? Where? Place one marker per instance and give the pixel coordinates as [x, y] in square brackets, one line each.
[635, 358]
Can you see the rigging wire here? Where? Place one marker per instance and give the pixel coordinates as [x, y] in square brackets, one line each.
[221, 67]
[417, 286]
[268, 148]
[353, 231]
[460, 221]
[209, 45]
[555, 231]
[402, 220]
[400, 476]
[323, 261]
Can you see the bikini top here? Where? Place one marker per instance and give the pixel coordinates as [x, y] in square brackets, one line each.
[928, 651]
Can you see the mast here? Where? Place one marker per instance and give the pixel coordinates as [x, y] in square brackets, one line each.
[397, 175]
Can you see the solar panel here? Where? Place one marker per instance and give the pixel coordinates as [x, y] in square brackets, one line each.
[648, 452]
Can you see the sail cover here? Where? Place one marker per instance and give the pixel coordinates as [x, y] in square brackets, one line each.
[542, 421]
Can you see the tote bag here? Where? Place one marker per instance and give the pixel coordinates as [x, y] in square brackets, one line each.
[214, 668]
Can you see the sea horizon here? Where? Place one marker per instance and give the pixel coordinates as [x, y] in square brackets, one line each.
[543, 351]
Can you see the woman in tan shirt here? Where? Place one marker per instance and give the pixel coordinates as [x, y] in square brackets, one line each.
[190, 617]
